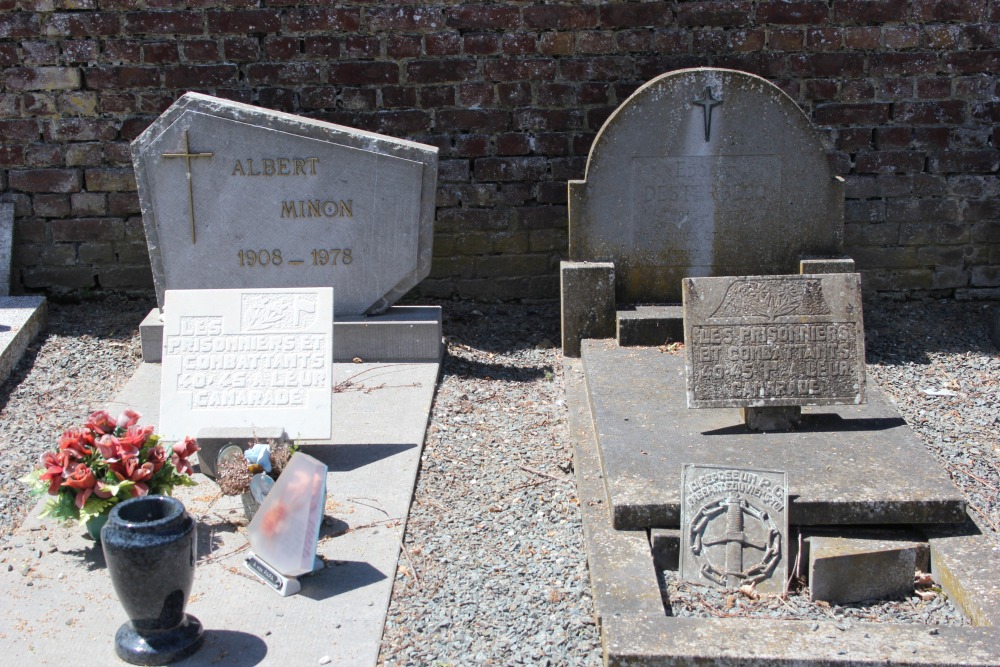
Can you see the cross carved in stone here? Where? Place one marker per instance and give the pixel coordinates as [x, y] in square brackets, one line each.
[188, 156]
[707, 102]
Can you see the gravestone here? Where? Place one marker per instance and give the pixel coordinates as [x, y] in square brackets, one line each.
[734, 527]
[767, 342]
[236, 196]
[250, 359]
[704, 172]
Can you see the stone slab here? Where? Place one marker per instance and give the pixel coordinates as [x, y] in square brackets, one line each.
[237, 196]
[251, 358]
[704, 172]
[620, 564]
[22, 318]
[666, 546]
[587, 303]
[844, 570]
[858, 464]
[734, 527]
[650, 325]
[965, 562]
[341, 610]
[770, 341]
[637, 632]
[6, 245]
[833, 265]
[401, 333]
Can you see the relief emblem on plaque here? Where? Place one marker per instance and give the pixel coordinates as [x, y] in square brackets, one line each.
[734, 527]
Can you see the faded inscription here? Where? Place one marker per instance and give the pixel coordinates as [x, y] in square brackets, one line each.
[734, 525]
[779, 340]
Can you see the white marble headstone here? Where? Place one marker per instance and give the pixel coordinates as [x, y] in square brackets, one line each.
[250, 358]
[236, 196]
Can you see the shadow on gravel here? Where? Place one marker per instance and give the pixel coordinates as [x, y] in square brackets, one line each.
[343, 458]
[500, 328]
[905, 333]
[502, 372]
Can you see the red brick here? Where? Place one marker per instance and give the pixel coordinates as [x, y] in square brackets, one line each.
[864, 38]
[436, 97]
[241, 49]
[827, 64]
[515, 143]
[634, 15]
[949, 10]
[110, 180]
[901, 37]
[281, 48]
[200, 76]
[18, 25]
[717, 13]
[930, 113]
[792, 11]
[402, 46]
[399, 96]
[557, 43]
[941, 37]
[134, 126]
[325, 19]
[931, 137]
[857, 90]
[79, 129]
[852, 114]
[935, 88]
[560, 17]
[893, 137]
[590, 69]
[244, 22]
[980, 36]
[165, 23]
[970, 62]
[45, 180]
[786, 39]
[595, 42]
[709, 41]
[282, 74]
[42, 78]
[475, 95]
[123, 203]
[439, 71]
[482, 17]
[634, 40]
[965, 162]
[199, 50]
[517, 44]
[123, 76]
[50, 206]
[357, 73]
[563, 95]
[443, 44]
[869, 11]
[889, 162]
[510, 169]
[481, 44]
[159, 52]
[896, 64]
[514, 94]
[487, 120]
[516, 69]
[404, 18]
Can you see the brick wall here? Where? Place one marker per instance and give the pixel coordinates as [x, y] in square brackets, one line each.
[512, 92]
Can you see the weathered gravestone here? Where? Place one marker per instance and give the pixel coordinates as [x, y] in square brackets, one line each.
[248, 360]
[235, 196]
[771, 344]
[22, 318]
[703, 172]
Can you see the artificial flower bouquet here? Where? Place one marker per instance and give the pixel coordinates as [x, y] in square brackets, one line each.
[106, 461]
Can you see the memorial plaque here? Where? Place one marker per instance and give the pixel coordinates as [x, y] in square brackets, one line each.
[251, 358]
[235, 196]
[757, 341]
[704, 172]
[734, 527]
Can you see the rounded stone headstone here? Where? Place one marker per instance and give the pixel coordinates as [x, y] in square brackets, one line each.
[704, 172]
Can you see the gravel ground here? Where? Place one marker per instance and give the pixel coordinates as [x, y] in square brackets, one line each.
[493, 569]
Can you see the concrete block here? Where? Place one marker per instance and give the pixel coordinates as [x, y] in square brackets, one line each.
[6, 245]
[965, 563]
[650, 325]
[665, 544]
[845, 265]
[151, 337]
[22, 318]
[587, 293]
[843, 570]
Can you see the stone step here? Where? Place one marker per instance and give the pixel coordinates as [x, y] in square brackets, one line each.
[650, 325]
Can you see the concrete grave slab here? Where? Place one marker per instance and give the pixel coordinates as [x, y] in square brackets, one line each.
[844, 569]
[22, 318]
[762, 341]
[966, 562]
[236, 196]
[857, 464]
[650, 325]
[338, 617]
[249, 358]
[704, 172]
[636, 631]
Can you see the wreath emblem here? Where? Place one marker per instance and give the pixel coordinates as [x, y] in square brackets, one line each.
[736, 539]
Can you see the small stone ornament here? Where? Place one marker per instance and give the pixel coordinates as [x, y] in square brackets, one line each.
[734, 527]
[284, 531]
[150, 548]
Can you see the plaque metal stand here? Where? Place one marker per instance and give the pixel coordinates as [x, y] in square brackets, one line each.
[285, 586]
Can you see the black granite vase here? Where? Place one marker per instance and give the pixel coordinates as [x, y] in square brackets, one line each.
[149, 545]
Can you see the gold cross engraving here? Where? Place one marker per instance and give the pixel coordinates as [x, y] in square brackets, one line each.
[707, 101]
[188, 155]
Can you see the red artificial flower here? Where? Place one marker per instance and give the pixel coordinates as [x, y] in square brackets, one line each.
[136, 436]
[129, 418]
[55, 465]
[101, 422]
[82, 479]
[77, 441]
[156, 456]
[182, 450]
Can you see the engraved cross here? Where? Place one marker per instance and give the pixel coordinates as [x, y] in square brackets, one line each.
[707, 102]
[188, 156]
